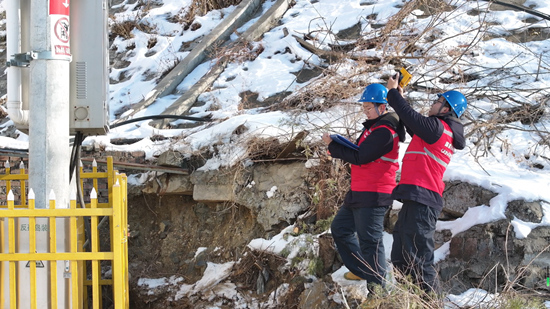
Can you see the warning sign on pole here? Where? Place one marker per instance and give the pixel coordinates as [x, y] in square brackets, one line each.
[60, 27]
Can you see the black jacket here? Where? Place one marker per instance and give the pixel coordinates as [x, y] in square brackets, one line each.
[430, 130]
[377, 144]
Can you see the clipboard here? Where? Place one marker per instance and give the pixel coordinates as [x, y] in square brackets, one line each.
[344, 141]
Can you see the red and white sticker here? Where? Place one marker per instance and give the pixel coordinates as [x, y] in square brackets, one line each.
[60, 34]
[62, 50]
[59, 7]
[60, 27]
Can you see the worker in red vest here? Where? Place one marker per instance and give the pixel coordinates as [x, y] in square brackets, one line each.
[358, 226]
[434, 140]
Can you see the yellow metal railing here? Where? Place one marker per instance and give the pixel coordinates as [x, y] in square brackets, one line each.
[75, 258]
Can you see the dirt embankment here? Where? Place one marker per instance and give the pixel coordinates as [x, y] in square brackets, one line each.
[167, 231]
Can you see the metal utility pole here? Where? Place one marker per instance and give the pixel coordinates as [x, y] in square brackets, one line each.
[49, 151]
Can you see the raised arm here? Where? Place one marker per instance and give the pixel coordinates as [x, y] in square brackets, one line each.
[428, 129]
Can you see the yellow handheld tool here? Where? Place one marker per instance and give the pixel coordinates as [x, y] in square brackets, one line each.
[404, 77]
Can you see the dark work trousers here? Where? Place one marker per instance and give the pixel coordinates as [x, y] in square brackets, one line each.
[363, 254]
[413, 244]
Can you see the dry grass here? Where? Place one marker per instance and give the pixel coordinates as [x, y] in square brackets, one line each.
[166, 67]
[124, 28]
[202, 7]
[3, 112]
[258, 264]
[264, 149]
[186, 16]
[402, 293]
[331, 181]
[237, 52]
[323, 93]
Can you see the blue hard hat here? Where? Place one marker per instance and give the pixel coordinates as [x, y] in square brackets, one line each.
[456, 100]
[374, 93]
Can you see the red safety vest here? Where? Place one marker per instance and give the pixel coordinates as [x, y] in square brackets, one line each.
[378, 175]
[424, 164]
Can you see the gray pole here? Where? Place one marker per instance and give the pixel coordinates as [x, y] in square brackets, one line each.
[49, 152]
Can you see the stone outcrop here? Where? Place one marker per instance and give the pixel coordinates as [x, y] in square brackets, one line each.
[459, 196]
[274, 192]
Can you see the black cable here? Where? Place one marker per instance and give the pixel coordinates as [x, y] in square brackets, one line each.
[152, 117]
[521, 8]
[77, 141]
[75, 164]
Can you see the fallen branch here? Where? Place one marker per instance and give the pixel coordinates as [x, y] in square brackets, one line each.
[327, 55]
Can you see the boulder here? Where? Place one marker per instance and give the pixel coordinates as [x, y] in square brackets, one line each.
[276, 192]
[168, 184]
[525, 211]
[170, 158]
[459, 196]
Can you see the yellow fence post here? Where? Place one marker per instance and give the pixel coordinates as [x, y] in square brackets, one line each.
[32, 249]
[124, 213]
[53, 249]
[117, 243]
[94, 202]
[11, 232]
[74, 249]
[96, 272]
[110, 184]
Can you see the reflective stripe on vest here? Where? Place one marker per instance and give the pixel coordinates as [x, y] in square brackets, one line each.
[389, 160]
[394, 135]
[431, 155]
